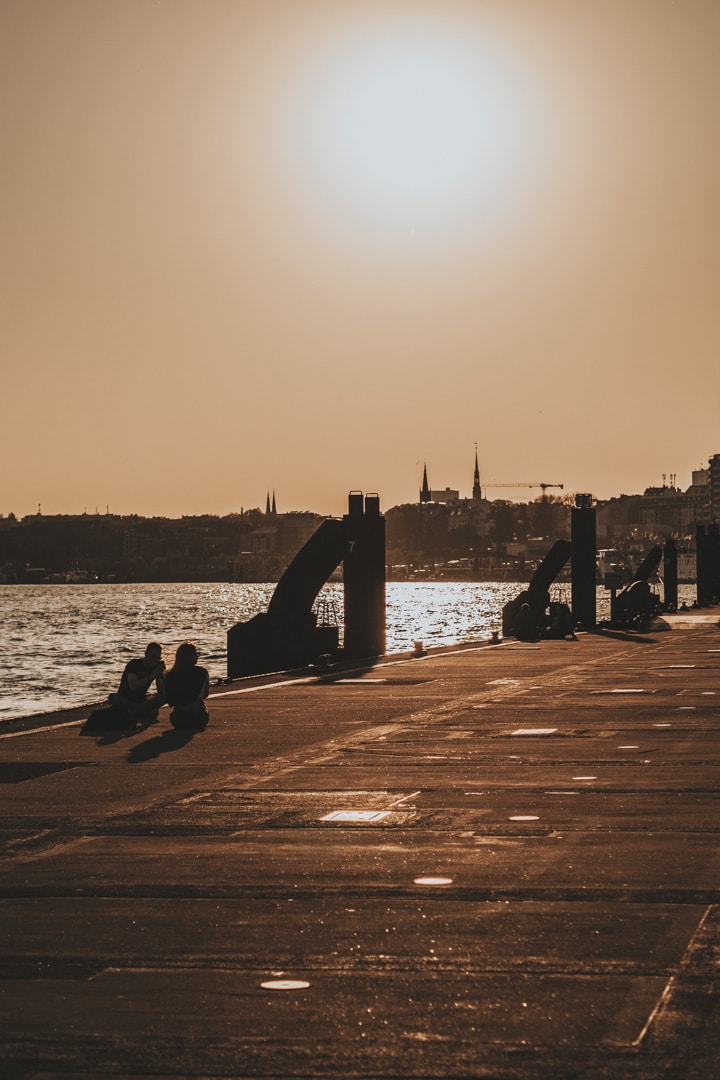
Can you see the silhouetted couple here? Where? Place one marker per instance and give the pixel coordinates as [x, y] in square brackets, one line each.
[184, 687]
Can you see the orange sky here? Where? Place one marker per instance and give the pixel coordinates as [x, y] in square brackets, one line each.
[309, 245]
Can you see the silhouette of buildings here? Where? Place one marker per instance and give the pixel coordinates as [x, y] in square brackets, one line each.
[441, 535]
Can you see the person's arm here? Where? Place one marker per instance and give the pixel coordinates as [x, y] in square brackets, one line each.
[204, 690]
[142, 682]
[160, 677]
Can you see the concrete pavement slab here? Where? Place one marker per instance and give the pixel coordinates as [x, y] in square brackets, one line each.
[489, 862]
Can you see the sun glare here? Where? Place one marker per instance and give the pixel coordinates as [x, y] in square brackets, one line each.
[411, 126]
[423, 124]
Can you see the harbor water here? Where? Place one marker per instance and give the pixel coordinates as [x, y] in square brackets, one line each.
[66, 645]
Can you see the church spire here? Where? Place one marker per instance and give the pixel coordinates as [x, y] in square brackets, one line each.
[425, 490]
[477, 492]
[267, 504]
[274, 507]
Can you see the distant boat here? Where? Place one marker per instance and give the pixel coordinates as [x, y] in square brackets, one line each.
[80, 577]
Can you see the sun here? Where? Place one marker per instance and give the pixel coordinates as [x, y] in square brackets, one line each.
[412, 124]
[410, 120]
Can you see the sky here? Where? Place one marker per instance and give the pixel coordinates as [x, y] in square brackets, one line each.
[308, 246]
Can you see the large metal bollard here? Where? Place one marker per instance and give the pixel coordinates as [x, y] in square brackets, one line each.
[583, 566]
[364, 577]
[670, 575]
[708, 563]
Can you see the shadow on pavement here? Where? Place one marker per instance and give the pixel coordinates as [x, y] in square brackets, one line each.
[622, 635]
[161, 744]
[110, 737]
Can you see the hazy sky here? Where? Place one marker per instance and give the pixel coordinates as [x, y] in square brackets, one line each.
[307, 245]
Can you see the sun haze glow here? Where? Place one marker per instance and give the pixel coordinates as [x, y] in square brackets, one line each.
[411, 122]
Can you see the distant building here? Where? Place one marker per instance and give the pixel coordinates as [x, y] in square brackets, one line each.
[659, 511]
[470, 513]
[476, 491]
[451, 496]
[425, 496]
[447, 495]
[296, 528]
[263, 540]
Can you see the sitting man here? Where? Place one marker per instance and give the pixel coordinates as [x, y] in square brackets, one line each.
[137, 678]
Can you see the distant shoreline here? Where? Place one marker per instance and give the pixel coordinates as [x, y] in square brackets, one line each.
[413, 579]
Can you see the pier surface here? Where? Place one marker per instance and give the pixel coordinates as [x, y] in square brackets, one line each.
[489, 862]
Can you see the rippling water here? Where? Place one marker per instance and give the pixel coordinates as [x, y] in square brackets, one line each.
[65, 645]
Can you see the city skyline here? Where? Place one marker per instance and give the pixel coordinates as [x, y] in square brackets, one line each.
[513, 492]
[309, 248]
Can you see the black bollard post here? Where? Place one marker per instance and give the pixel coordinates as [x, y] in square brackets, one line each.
[670, 575]
[364, 577]
[583, 564]
[703, 569]
[714, 559]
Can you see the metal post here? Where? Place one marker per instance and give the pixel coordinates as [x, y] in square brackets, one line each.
[670, 575]
[714, 558]
[583, 568]
[364, 578]
[702, 574]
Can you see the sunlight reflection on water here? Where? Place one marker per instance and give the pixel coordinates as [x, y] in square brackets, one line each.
[66, 645]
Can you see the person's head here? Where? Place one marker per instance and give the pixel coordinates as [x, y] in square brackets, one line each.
[153, 654]
[186, 655]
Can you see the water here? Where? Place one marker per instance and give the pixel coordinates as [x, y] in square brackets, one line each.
[66, 645]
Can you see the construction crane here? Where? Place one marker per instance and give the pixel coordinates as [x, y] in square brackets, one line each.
[526, 485]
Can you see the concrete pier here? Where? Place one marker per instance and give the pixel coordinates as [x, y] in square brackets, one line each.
[487, 862]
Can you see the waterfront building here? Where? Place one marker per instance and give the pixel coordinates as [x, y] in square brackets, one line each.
[296, 527]
[447, 496]
[658, 512]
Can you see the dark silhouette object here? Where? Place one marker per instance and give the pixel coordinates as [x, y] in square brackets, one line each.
[112, 720]
[187, 685]
[287, 635]
[708, 563]
[649, 565]
[107, 734]
[169, 740]
[364, 578]
[561, 623]
[537, 594]
[526, 626]
[637, 603]
[299, 586]
[670, 575]
[584, 562]
[131, 705]
[137, 678]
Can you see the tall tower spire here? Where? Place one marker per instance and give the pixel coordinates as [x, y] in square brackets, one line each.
[267, 504]
[477, 492]
[425, 490]
[274, 506]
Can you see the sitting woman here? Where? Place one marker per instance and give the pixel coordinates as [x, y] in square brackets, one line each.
[186, 687]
